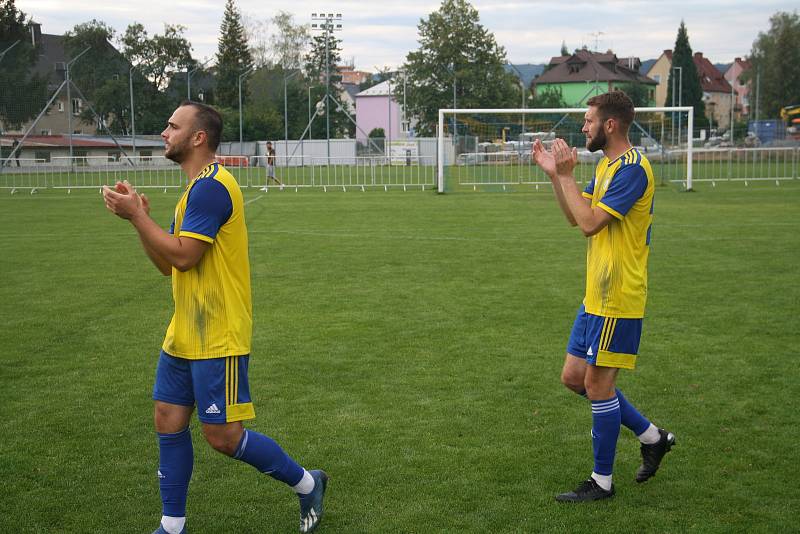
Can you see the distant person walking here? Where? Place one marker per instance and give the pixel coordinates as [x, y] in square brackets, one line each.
[14, 150]
[271, 164]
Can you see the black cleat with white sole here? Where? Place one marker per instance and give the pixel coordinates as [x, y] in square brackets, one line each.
[589, 490]
[653, 454]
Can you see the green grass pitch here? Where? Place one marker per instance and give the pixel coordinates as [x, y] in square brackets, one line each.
[410, 344]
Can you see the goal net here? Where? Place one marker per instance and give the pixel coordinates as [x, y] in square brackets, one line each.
[490, 149]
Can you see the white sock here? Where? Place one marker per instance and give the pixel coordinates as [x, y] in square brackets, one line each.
[650, 436]
[306, 484]
[173, 525]
[604, 481]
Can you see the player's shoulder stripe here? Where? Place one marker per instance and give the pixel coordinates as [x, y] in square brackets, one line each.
[213, 168]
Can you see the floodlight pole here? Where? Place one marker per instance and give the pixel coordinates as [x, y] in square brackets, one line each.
[328, 27]
[69, 103]
[242, 75]
[133, 120]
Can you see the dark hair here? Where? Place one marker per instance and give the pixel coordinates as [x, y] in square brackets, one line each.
[614, 105]
[207, 119]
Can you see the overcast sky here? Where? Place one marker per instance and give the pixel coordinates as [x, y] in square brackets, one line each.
[380, 33]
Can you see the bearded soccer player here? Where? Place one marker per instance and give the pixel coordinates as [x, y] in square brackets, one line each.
[205, 355]
[615, 213]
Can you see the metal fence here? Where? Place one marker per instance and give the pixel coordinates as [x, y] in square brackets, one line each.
[157, 172]
[709, 165]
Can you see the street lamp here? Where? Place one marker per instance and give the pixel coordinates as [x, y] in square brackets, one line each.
[189, 77]
[327, 25]
[242, 75]
[286, 113]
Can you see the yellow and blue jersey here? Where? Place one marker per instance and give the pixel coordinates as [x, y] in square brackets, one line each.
[616, 259]
[213, 310]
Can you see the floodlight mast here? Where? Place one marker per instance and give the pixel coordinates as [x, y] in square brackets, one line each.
[327, 25]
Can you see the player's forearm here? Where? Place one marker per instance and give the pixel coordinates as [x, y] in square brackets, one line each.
[165, 250]
[161, 264]
[582, 213]
[562, 203]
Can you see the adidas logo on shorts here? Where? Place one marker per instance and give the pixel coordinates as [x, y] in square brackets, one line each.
[212, 409]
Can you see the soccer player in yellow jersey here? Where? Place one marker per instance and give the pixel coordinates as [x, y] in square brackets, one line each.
[615, 213]
[204, 358]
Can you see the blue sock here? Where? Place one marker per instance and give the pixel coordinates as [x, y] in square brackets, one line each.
[176, 458]
[630, 416]
[605, 431]
[267, 456]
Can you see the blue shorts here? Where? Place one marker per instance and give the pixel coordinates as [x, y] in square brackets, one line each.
[605, 341]
[217, 386]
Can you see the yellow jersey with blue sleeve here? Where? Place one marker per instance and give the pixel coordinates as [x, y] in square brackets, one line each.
[213, 310]
[616, 259]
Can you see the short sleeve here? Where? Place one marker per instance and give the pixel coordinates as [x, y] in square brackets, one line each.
[588, 192]
[627, 186]
[208, 207]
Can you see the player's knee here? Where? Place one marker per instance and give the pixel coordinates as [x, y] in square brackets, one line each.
[572, 381]
[222, 438]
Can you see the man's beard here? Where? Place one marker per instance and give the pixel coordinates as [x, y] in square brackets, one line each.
[177, 153]
[598, 141]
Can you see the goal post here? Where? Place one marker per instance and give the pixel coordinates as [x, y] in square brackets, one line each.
[491, 147]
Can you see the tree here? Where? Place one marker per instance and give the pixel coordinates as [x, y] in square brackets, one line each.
[22, 94]
[549, 98]
[257, 32]
[456, 49]
[317, 63]
[159, 57]
[233, 58]
[289, 41]
[100, 75]
[775, 56]
[639, 93]
[690, 93]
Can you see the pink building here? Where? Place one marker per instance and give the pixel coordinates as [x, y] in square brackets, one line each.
[742, 91]
[377, 108]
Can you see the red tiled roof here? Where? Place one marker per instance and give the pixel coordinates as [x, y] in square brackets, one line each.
[587, 66]
[711, 79]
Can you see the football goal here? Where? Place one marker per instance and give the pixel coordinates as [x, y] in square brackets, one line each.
[491, 148]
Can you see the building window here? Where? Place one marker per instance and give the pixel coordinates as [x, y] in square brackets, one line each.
[61, 106]
[42, 156]
[114, 156]
[77, 106]
[657, 78]
[46, 132]
[145, 155]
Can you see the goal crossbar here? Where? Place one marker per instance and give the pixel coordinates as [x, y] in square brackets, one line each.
[509, 111]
